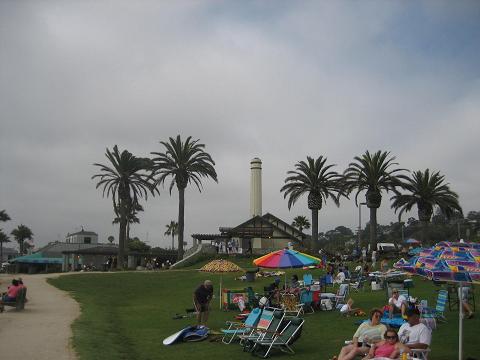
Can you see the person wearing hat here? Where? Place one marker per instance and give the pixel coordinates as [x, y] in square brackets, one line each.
[201, 299]
[413, 333]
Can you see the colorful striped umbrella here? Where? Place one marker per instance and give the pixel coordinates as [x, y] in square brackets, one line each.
[447, 261]
[286, 258]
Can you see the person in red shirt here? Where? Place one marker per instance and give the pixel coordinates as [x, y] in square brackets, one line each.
[11, 294]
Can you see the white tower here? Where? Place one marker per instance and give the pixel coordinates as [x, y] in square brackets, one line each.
[256, 187]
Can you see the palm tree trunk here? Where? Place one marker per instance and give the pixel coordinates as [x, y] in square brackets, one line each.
[181, 216]
[373, 229]
[127, 236]
[424, 232]
[121, 242]
[1, 253]
[173, 241]
[313, 246]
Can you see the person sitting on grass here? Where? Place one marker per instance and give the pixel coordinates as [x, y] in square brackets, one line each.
[389, 348]
[368, 333]
[413, 333]
[347, 309]
[294, 287]
[397, 304]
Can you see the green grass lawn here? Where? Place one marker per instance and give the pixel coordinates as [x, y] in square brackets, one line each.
[127, 315]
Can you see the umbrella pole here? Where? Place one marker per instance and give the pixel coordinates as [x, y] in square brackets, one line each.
[220, 292]
[460, 322]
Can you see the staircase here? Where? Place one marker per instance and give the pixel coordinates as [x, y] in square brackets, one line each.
[192, 255]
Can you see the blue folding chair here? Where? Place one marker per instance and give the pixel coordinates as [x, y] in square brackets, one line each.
[306, 300]
[439, 311]
[236, 329]
[307, 280]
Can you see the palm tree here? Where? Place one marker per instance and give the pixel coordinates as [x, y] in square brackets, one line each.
[4, 217]
[301, 222]
[319, 182]
[22, 233]
[126, 181]
[374, 174]
[172, 229]
[133, 210]
[185, 162]
[427, 191]
[3, 239]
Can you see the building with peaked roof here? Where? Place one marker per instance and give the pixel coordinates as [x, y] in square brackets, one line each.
[260, 233]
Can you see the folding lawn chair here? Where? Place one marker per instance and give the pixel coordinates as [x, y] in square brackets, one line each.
[307, 279]
[283, 340]
[290, 304]
[263, 324]
[236, 329]
[439, 311]
[357, 283]
[306, 301]
[341, 295]
[403, 292]
[421, 354]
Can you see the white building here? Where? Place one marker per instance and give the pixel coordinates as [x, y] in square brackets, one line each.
[82, 237]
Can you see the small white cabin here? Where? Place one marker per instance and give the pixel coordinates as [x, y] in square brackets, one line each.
[82, 237]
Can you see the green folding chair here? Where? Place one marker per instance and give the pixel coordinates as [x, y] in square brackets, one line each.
[282, 341]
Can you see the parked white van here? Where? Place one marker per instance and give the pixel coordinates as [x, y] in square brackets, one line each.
[387, 249]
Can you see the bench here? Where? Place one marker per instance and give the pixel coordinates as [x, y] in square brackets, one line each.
[18, 304]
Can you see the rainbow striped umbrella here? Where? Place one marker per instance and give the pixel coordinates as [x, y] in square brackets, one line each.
[286, 258]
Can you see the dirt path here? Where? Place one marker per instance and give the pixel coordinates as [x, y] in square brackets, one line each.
[42, 330]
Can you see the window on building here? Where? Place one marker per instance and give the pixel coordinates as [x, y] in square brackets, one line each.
[87, 240]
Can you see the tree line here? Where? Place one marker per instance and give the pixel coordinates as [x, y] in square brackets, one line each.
[127, 179]
[21, 234]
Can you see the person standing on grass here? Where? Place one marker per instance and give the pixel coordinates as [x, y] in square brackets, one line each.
[374, 259]
[201, 299]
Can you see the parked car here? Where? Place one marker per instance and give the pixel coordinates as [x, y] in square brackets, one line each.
[387, 250]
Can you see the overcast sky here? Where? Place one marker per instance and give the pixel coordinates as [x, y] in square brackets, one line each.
[278, 80]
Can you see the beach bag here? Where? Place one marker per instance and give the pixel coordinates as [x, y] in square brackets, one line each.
[326, 304]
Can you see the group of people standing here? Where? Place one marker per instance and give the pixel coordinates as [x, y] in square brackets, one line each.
[229, 247]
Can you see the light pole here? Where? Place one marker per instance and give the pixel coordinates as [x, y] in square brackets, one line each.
[359, 226]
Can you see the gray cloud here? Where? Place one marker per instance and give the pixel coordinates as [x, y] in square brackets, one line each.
[260, 79]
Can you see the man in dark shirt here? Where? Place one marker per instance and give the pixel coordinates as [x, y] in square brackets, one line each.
[201, 298]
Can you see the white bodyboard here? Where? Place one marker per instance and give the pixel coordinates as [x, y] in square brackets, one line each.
[172, 338]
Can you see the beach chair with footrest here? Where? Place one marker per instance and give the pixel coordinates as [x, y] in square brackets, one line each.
[282, 340]
[268, 325]
[236, 329]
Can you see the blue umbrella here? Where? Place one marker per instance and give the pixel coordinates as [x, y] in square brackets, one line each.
[412, 241]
